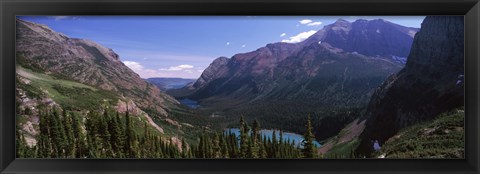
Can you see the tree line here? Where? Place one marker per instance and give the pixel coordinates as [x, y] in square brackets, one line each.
[66, 134]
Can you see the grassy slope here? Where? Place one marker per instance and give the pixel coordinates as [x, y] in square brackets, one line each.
[442, 137]
[70, 94]
[344, 144]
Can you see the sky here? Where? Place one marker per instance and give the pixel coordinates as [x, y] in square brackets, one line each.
[183, 46]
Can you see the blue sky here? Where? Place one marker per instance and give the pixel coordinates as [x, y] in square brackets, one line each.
[183, 46]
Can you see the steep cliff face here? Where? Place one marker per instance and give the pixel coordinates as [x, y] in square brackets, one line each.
[216, 69]
[430, 83]
[42, 49]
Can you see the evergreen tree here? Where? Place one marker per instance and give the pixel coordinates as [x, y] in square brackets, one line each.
[79, 138]
[20, 144]
[44, 144]
[216, 147]
[224, 146]
[255, 147]
[116, 140]
[105, 134]
[185, 150]
[274, 145]
[309, 149]
[128, 136]
[70, 143]
[57, 134]
[243, 138]
[281, 150]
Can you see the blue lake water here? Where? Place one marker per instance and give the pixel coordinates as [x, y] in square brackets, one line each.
[287, 136]
[190, 103]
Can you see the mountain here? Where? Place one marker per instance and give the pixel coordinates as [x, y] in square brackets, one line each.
[165, 84]
[82, 76]
[330, 71]
[430, 83]
[42, 49]
[334, 58]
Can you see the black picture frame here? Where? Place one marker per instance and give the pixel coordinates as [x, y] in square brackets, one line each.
[10, 8]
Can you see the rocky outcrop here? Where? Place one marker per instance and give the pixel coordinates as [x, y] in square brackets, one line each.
[430, 83]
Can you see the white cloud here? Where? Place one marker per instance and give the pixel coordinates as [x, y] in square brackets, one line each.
[283, 34]
[177, 68]
[57, 18]
[299, 37]
[309, 22]
[314, 23]
[305, 21]
[135, 66]
[228, 43]
[141, 70]
[243, 46]
[185, 72]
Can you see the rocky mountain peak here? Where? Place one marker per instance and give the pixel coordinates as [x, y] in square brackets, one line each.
[216, 68]
[368, 37]
[341, 24]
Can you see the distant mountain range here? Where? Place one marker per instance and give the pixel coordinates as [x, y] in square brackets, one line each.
[335, 70]
[165, 84]
[339, 66]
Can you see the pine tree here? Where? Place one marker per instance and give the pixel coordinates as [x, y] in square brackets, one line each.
[233, 145]
[70, 143]
[128, 136]
[105, 134]
[20, 144]
[309, 150]
[274, 145]
[116, 140]
[281, 150]
[185, 150]
[216, 147]
[224, 146]
[44, 144]
[255, 148]
[243, 138]
[79, 138]
[58, 135]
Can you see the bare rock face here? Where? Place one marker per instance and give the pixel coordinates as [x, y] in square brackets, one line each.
[214, 70]
[431, 82]
[40, 48]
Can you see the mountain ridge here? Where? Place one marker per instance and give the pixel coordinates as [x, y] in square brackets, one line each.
[85, 62]
[264, 62]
